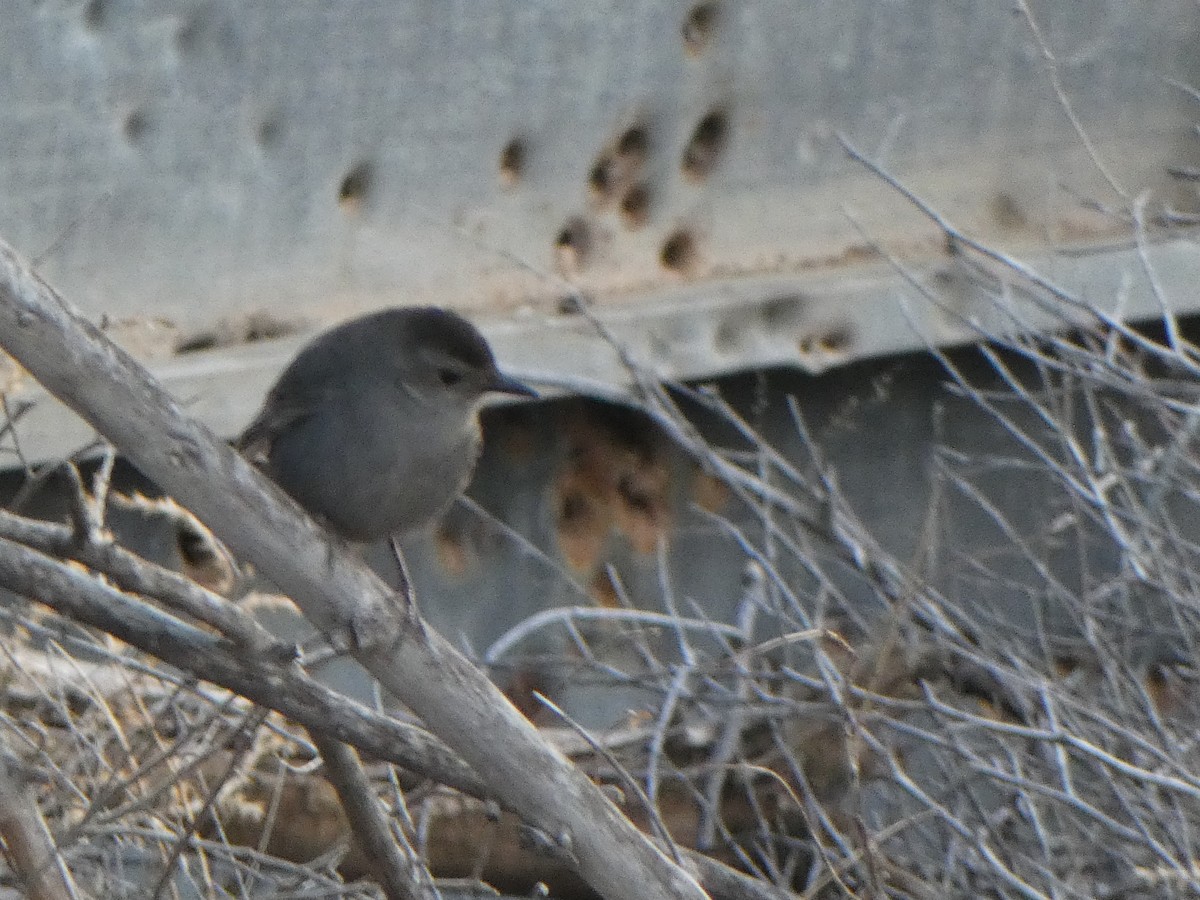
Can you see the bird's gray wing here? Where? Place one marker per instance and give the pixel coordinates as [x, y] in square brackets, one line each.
[300, 393]
[273, 419]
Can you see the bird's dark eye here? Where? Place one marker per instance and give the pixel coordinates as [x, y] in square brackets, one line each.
[449, 377]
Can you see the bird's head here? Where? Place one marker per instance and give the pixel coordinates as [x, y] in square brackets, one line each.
[446, 361]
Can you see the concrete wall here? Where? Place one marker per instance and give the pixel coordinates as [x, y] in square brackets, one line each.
[207, 177]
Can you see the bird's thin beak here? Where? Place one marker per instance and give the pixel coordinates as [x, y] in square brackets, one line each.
[506, 384]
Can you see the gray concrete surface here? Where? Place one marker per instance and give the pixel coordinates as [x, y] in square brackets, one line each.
[206, 177]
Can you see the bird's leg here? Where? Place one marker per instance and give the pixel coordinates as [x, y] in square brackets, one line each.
[364, 632]
[405, 590]
[406, 595]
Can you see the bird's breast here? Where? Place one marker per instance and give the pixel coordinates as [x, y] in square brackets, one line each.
[421, 470]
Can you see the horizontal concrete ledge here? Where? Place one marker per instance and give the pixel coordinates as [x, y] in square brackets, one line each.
[716, 327]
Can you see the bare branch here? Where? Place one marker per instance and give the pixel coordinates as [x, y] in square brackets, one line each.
[77, 363]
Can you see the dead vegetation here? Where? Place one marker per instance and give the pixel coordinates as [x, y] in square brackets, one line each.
[1010, 712]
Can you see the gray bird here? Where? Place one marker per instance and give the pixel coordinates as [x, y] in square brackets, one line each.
[373, 427]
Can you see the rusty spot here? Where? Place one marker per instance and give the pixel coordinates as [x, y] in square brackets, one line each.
[854, 254]
[705, 146]
[678, 252]
[512, 162]
[1170, 685]
[263, 326]
[583, 523]
[604, 590]
[643, 508]
[603, 178]
[1007, 212]
[633, 146]
[453, 555]
[783, 312]
[616, 477]
[574, 510]
[635, 207]
[199, 342]
[572, 245]
[1064, 665]
[618, 164]
[836, 340]
[253, 327]
[356, 187]
[518, 443]
[698, 28]
[520, 689]
[709, 492]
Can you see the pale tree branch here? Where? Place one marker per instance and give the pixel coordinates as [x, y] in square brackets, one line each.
[28, 846]
[75, 361]
[399, 868]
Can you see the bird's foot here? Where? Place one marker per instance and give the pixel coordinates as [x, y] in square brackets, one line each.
[406, 597]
